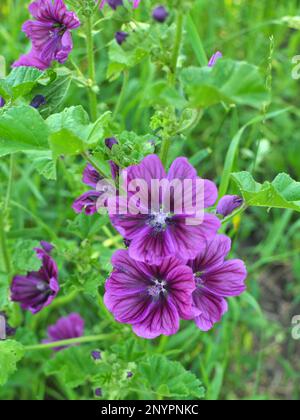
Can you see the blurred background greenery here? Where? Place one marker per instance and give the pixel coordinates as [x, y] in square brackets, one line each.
[251, 354]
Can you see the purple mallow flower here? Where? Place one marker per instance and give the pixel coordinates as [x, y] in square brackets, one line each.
[37, 101]
[71, 326]
[87, 201]
[2, 102]
[228, 204]
[37, 290]
[214, 59]
[160, 14]
[116, 3]
[50, 33]
[121, 37]
[152, 298]
[216, 280]
[157, 233]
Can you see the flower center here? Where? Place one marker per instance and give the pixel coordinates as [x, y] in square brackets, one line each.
[158, 288]
[199, 280]
[41, 286]
[159, 221]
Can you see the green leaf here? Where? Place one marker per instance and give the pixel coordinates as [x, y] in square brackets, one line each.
[43, 162]
[10, 353]
[24, 256]
[74, 366]
[282, 193]
[229, 81]
[68, 131]
[22, 129]
[22, 80]
[54, 93]
[168, 379]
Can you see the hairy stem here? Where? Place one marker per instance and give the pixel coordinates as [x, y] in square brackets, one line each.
[3, 217]
[122, 94]
[91, 67]
[69, 342]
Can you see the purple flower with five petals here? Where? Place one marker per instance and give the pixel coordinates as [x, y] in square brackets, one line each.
[216, 280]
[37, 290]
[151, 298]
[50, 33]
[71, 326]
[2, 102]
[157, 233]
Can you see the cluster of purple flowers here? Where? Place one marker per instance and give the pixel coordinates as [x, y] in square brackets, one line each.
[171, 270]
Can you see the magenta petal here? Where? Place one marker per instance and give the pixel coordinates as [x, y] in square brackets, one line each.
[209, 309]
[163, 319]
[150, 168]
[32, 60]
[227, 280]
[213, 255]
[210, 193]
[182, 169]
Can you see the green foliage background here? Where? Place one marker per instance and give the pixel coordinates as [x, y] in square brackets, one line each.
[251, 354]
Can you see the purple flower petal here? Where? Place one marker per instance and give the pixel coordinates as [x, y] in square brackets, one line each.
[150, 297]
[91, 176]
[214, 59]
[228, 204]
[71, 326]
[87, 202]
[209, 308]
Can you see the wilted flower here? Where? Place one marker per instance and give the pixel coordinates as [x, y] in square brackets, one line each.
[152, 298]
[37, 290]
[160, 14]
[157, 231]
[38, 101]
[215, 58]
[216, 279]
[121, 37]
[71, 326]
[228, 204]
[50, 33]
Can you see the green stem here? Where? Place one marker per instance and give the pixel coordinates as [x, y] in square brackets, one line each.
[234, 214]
[122, 94]
[166, 143]
[4, 247]
[91, 67]
[89, 159]
[69, 342]
[177, 44]
[3, 217]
